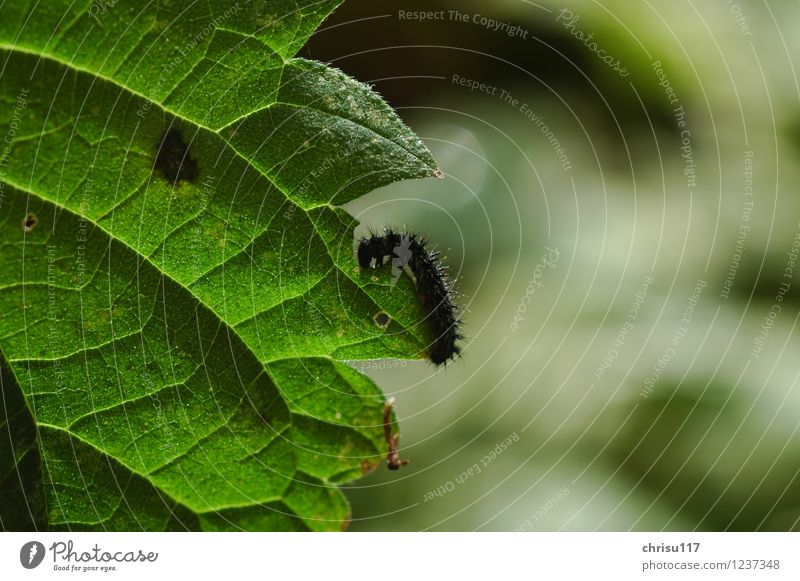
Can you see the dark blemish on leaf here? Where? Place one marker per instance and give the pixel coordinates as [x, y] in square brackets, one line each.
[29, 222]
[382, 319]
[393, 461]
[174, 159]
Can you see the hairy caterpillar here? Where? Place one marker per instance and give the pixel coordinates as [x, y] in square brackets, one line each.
[433, 288]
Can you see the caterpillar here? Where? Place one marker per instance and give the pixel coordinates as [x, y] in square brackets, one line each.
[433, 287]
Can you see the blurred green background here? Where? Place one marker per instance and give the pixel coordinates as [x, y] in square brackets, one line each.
[651, 379]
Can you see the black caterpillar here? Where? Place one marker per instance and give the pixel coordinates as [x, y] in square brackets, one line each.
[433, 288]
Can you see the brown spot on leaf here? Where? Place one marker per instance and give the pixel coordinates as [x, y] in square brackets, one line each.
[29, 222]
[174, 158]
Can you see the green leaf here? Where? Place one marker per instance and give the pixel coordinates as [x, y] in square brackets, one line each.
[177, 283]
